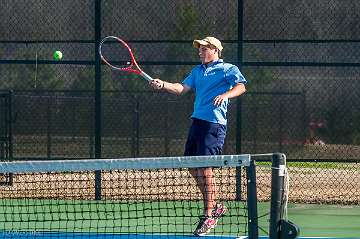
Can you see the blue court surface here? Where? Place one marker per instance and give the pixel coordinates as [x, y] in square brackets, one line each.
[48, 235]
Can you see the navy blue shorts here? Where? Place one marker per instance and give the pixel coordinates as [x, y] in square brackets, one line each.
[205, 138]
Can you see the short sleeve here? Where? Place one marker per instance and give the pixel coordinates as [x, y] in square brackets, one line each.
[190, 80]
[234, 76]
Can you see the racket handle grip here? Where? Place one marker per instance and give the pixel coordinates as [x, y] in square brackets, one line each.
[146, 76]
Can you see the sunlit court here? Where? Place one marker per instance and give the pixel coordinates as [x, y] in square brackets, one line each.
[179, 119]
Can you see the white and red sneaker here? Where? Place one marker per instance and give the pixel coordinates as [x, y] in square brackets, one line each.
[205, 225]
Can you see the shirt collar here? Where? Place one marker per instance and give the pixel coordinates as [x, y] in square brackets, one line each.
[212, 63]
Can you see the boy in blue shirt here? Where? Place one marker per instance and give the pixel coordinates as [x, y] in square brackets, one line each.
[214, 83]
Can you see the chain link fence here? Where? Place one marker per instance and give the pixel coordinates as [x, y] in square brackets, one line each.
[300, 58]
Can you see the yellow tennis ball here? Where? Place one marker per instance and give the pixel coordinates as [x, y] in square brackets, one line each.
[58, 55]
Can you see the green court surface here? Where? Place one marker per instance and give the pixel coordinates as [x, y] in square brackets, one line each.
[87, 216]
[317, 220]
[112, 216]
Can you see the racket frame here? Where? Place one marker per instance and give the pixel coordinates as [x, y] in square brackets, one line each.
[133, 62]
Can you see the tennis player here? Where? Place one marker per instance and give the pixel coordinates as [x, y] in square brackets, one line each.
[214, 83]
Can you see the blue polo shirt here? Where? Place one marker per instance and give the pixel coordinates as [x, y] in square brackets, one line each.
[209, 81]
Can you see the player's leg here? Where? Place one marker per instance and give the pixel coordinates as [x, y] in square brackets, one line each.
[210, 141]
[206, 182]
[202, 140]
[212, 211]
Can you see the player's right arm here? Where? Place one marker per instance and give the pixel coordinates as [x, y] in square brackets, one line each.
[173, 88]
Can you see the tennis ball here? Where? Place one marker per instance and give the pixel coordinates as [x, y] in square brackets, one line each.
[58, 55]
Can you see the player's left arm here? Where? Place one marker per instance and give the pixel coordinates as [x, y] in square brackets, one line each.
[236, 91]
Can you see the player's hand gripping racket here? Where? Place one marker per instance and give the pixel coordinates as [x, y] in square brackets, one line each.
[117, 54]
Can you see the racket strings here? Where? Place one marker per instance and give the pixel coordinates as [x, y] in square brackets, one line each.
[116, 54]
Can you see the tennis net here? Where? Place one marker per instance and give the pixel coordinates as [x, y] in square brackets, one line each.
[125, 198]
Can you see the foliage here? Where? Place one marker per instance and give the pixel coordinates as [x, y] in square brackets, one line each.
[258, 78]
[26, 77]
[341, 129]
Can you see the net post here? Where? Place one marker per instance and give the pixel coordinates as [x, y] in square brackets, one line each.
[277, 187]
[252, 200]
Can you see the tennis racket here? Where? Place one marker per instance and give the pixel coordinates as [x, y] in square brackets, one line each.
[117, 54]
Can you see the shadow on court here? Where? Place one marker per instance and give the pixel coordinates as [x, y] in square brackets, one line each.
[317, 220]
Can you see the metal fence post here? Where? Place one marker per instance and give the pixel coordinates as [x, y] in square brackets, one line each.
[97, 96]
[238, 100]
[49, 126]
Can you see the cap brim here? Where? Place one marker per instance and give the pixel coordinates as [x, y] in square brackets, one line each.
[197, 43]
